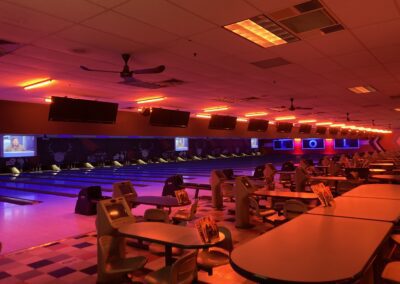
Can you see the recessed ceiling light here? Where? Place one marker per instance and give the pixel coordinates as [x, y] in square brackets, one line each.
[218, 108]
[202, 115]
[262, 31]
[251, 114]
[38, 84]
[307, 121]
[362, 89]
[150, 100]
[323, 123]
[280, 118]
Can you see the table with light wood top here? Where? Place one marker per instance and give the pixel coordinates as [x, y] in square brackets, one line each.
[375, 190]
[329, 178]
[387, 210]
[311, 249]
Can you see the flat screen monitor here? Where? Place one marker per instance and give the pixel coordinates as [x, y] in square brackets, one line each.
[222, 122]
[305, 128]
[116, 211]
[320, 130]
[346, 144]
[169, 118]
[284, 127]
[313, 143]
[283, 144]
[77, 110]
[259, 125]
[181, 144]
[333, 130]
[254, 143]
[18, 146]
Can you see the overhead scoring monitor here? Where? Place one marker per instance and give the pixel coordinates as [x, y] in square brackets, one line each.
[283, 144]
[347, 144]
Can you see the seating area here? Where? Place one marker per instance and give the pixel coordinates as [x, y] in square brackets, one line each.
[177, 142]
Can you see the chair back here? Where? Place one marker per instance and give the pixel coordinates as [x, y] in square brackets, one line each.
[156, 215]
[259, 171]
[293, 208]
[184, 270]
[227, 243]
[253, 205]
[193, 209]
[300, 179]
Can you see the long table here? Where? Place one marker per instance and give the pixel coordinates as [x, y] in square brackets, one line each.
[168, 235]
[387, 210]
[310, 249]
[385, 191]
[285, 194]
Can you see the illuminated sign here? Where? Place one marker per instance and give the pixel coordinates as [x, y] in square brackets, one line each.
[347, 144]
[313, 143]
[283, 144]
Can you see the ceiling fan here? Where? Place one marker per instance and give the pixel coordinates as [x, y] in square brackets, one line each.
[127, 74]
[292, 107]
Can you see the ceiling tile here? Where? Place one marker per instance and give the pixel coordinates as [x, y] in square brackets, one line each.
[356, 60]
[128, 28]
[356, 13]
[173, 19]
[221, 12]
[108, 3]
[378, 35]
[73, 10]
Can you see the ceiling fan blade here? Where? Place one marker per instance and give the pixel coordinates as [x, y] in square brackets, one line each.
[140, 84]
[97, 70]
[157, 69]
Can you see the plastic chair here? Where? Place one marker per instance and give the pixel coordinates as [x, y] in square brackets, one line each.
[257, 211]
[183, 271]
[391, 272]
[112, 267]
[218, 255]
[293, 208]
[184, 215]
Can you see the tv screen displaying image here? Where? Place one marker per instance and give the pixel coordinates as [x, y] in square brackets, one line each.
[283, 144]
[18, 146]
[254, 143]
[181, 144]
[313, 143]
[347, 144]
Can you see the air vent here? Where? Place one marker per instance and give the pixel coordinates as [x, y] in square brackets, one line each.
[308, 6]
[171, 82]
[310, 21]
[270, 63]
[332, 29]
[249, 99]
[7, 47]
[370, 106]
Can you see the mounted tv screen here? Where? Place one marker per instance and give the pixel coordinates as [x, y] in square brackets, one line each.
[259, 125]
[333, 131]
[320, 130]
[284, 127]
[283, 144]
[222, 122]
[181, 144]
[344, 131]
[347, 144]
[169, 118]
[77, 110]
[254, 143]
[305, 128]
[18, 146]
[313, 143]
